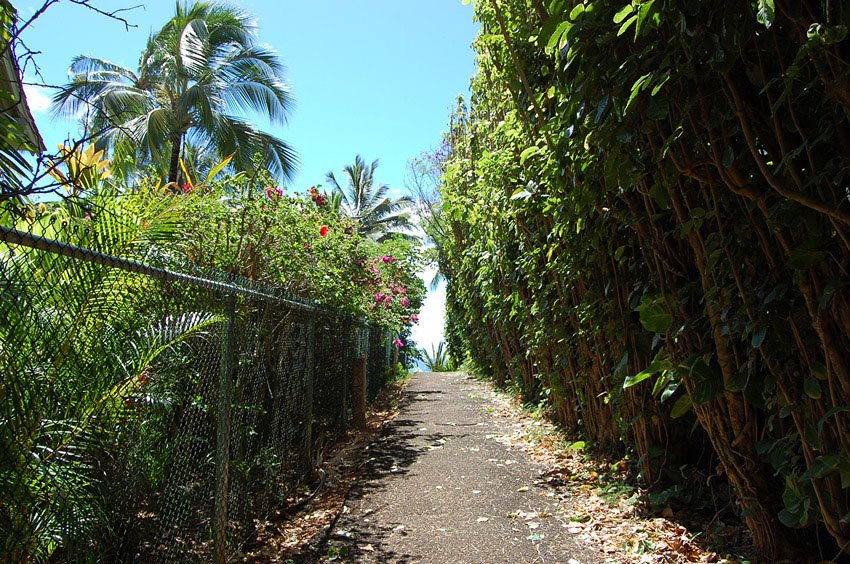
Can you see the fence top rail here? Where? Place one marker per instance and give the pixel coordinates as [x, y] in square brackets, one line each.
[17, 237]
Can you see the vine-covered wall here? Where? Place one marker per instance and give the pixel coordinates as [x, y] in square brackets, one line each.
[647, 221]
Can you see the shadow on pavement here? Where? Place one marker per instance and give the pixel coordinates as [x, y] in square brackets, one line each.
[399, 446]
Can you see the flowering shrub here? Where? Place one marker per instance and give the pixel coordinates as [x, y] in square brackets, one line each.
[247, 226]
[321, 200]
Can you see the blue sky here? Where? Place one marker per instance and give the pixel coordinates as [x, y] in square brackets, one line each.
[374, 77]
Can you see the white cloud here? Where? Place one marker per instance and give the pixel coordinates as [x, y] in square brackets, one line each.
[37, 99]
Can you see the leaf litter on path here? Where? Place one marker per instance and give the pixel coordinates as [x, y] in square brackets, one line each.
[617, 525]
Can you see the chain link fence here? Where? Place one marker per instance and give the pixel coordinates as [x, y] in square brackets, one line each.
[155, 414]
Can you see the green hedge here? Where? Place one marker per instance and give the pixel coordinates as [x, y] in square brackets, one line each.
[648, 222]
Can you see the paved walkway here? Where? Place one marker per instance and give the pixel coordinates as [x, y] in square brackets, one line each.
[443, 486]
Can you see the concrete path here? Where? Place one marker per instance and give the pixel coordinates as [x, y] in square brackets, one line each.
[443, 485]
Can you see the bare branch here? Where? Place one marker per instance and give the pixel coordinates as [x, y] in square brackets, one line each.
[112, 14]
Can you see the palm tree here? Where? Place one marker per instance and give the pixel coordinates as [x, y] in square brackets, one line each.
[377, 216]
[203, 66]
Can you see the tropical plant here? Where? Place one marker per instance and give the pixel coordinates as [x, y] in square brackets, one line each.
[438, 360]
[198, 71]
[78, 345]
[376, 215]
[85, 169]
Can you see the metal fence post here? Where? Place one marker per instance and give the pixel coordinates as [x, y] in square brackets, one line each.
[222, 450]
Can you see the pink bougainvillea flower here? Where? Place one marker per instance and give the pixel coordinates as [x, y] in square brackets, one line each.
[323, 230]
[399, 343]
[386, 259]
[308, 246]
[405, 302]
[274, 193]
[414, 318]
[379, 297]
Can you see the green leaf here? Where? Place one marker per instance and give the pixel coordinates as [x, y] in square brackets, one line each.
[576, 11]
[618, 254]
[796, 511]
[821, 466]
[826, 296]
[645, 12]
[668, 391]
[766, 12]
[681, 407]
[641, 376]
[555, 39]
[557, 7]
[819, 371]
[601, 107]
[812, 388]
[637, 87]
[529, 152]
[707, 390]
[627, 24]
[625, 11]
[219, 167]
[661, 196]
[844, 471]
[521, 194]
[805, 257]
[653, 317]
[578, 445]
[791, 519]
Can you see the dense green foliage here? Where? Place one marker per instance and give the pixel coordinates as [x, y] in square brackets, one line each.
[645, 219]
[78, 344]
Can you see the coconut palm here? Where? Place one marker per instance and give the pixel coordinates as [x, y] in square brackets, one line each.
[377, 216]
[203, 66]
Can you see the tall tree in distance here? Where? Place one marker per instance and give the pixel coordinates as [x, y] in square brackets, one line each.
[377, 216]
[198, 71]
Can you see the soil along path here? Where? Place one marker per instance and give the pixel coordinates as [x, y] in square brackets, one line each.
[442, 484]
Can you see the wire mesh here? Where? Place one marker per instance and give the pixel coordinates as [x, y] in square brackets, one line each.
[153, 413]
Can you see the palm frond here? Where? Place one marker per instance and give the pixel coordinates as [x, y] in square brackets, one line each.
[206, 57]
[194, 51]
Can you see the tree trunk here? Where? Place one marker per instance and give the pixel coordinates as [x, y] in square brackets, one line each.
[174, 164]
